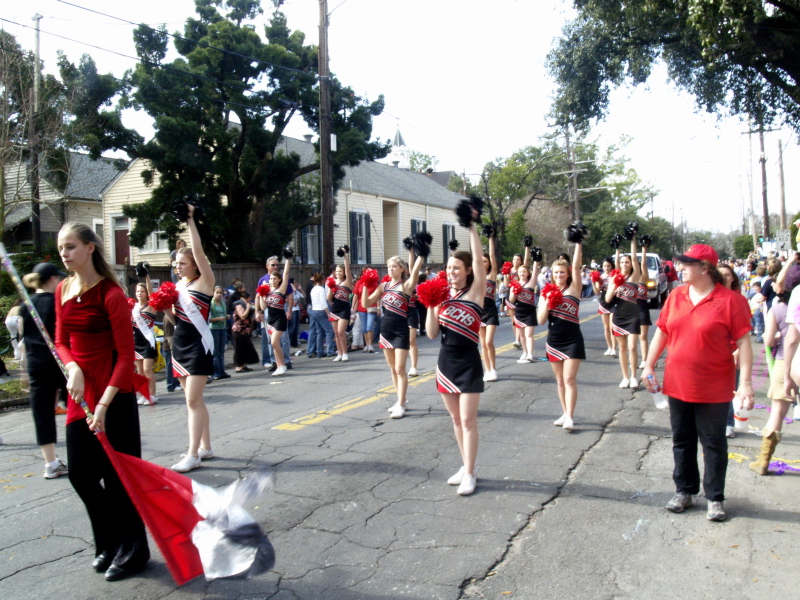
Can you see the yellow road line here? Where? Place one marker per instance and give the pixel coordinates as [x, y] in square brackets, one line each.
[382, 393]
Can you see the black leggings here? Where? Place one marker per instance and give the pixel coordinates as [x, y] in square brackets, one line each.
[116, 525]
[43, 385]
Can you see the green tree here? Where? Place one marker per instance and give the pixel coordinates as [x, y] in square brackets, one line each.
[220, 111]
[743, 246]
[737, 57]
[420, 162]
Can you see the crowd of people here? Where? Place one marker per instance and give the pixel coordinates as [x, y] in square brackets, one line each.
[705, 326]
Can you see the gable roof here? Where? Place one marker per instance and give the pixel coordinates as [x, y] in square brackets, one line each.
[88, 178]
[382, 180]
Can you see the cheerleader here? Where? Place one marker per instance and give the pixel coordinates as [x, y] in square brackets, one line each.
[459, 373]
[565, 348]
[600, 287]
[644, 304]
[625, 322]
[516, 263]
[413, 327]
[490, 317]
[193, 344]
[339, 300]
[524, 300]
[277, 320]
[394, 336]
[144, 340]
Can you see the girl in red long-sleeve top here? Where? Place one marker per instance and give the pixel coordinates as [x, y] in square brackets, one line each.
[93, 339]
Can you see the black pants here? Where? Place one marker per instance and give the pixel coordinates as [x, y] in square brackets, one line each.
[705, 421]
[43, 384]
[116, 525]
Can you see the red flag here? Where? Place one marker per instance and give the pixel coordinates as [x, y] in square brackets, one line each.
[141, 384]
[163, 499]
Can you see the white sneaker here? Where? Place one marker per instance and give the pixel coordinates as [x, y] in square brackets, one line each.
[613, 353]
[524, 358]
[568, 424]
[58, 469]
[796, 413]
[607, 352]
[491, 375]
[338, 358]
[397, 411]
[642, 365]
[153, 400]
[371, 349]
[517, 345]
[366, 349]
[204, 454]
[412, 372]
[560, 420]
[467, 485]
[140, 399]
[189, 463]
[457, 478]
[729, 432]
[345, 358]
[279, 371]
[624, 383]
[632, 382]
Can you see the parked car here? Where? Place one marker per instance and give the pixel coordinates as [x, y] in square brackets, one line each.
[657, 287]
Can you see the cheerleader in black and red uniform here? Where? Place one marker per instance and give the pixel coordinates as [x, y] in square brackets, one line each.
[394, 339]
[459, 373]
[339, 299]
[490, 318]
[644, 304]
[413, 327]
[604, 308]
[277, 320]
[144, 340]
[516, 263]
[565, 348]
[193, 344]
[625, 323]
[525, 314]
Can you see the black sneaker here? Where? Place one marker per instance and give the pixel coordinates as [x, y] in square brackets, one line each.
[289, 366]
[272, 367]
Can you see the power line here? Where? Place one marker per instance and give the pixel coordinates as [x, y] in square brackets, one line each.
[178, 37]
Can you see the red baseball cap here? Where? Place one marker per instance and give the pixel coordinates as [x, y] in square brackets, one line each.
[699, 252]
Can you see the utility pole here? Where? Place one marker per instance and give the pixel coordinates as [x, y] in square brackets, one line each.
[326, 172]
[33, 144]
[783, 186]
[763, 160]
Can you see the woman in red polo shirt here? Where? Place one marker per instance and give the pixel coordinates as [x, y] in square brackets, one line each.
[697, 325]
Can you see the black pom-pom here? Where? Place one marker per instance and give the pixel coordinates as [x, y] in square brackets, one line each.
[346, 248]
[576, 233]
[488, 231]
[142, 269]
[453, 244]
[340, 252]
[477, 204]
[631, 229]
[616, 241]
[528, 241]
[180, 208]
[408, 243]
[464, 213]
[645, 240]
[422, 244]
[536, 254]
[288, 253]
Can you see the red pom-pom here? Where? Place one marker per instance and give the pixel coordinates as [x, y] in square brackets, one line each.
[617, 277]
[515, 286]
[506, 268]
[596, 277]
[386, 279]
[164, 297]
[263, 290]
[330, 282]
[433, 292]
[552, 294]
[442, 275]
[131, 302]
[370, 278]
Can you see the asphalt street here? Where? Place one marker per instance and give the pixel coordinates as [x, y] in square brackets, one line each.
[361, 508]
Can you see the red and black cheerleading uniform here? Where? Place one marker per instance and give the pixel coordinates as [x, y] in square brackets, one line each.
[525, 315]
[490, 316]
[459, 370]
[603, 307]
[510, 305]
[340, 306]
[189, 357]
[644, 306]
[276, 312]
[625, 319]
[394, 317]
[564, 337]
[141, 347]
[413, 315]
